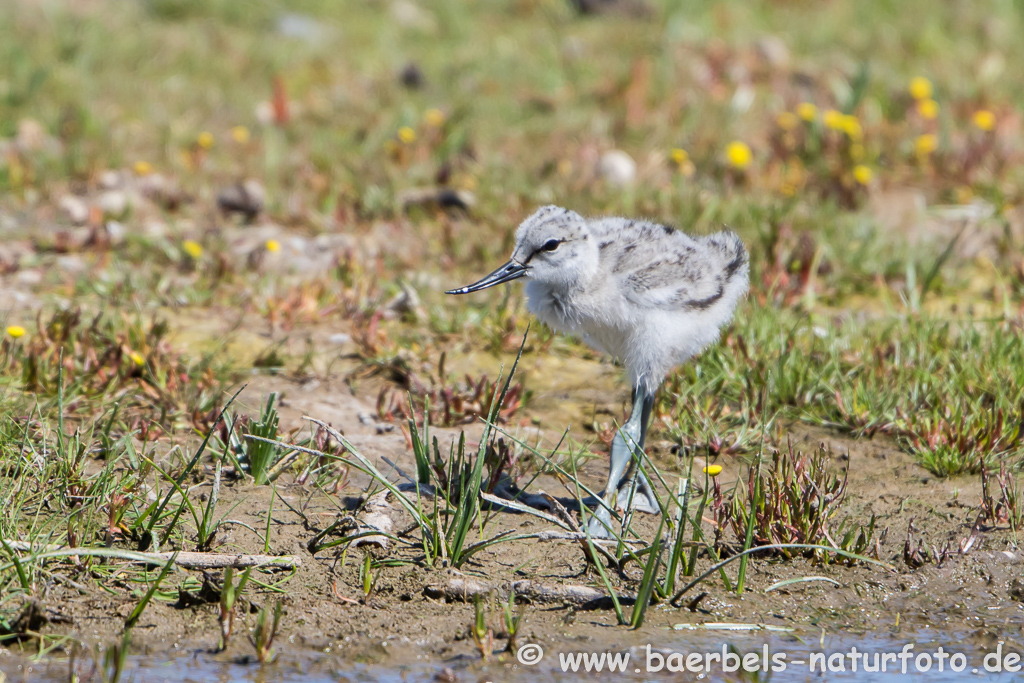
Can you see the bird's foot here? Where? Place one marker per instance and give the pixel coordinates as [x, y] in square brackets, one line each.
[638, 500]
[637, 495]
[600, 524]
[642, 502]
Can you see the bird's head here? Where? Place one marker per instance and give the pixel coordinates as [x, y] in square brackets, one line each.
[553, 246]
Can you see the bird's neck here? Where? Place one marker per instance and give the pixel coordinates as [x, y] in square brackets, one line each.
[569, 288]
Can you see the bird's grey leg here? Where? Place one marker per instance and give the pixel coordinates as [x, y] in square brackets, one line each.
[622, 451]
[637, 492]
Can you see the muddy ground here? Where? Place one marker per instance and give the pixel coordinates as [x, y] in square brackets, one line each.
[977, 594]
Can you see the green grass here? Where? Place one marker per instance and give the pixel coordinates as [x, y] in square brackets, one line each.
[944, 389]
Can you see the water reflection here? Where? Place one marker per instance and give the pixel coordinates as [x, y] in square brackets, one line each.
[671, 655]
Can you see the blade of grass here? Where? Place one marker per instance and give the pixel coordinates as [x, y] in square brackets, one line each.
[469, 501]
[775, 546]
[592, 549]
[133, 618]
[943, 257]
[748, 541]
[192, 463]
[261, 454]
[26, 585]
[643, 596]
[802, 579]
[520, 507]
[676, 555]
[756, 501]
[420, 449]
[604, 576]
[270, 514]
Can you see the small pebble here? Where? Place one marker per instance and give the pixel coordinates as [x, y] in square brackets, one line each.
[617, 168]
[116, 232]
[113, 203]
[75, 209]
[110, 180]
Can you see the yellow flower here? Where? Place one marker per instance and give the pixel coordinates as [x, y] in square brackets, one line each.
[142, 168]
[928, 109]
[862, 174]
[925, 144]
[240, 134]
[192, 248]
[738, 154]
[713, 470]
[16, 331]
[984, 119]
[920, 88]
[407, 135]
[851, 126]
[807, 111]
[681, 159]
[272, 246]
[434, 117]
[137, 358]
[787, 120]
[205, 139]
[833, 119]
[788, 189]
[564, 167]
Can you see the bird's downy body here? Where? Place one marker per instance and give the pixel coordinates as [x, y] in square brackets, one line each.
[645, 293]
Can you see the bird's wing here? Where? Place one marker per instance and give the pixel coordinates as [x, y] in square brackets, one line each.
[678, 272]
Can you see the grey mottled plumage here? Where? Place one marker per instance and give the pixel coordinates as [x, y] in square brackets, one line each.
[645, 293]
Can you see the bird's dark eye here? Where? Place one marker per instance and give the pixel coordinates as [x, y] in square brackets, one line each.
[550, 245]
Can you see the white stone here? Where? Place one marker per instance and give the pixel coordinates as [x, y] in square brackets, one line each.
[74, 208]
[70, 263]
[264, 113]
[116, 232]
[154, 228]
[410, 15]
[617, 168]
[114, 203]
[743, 98]
[30, 276]
[110, 180]
[340, 338]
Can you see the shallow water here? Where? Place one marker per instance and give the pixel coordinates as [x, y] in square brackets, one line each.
[789, 654]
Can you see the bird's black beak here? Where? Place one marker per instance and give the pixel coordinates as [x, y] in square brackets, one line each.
[508, 272]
